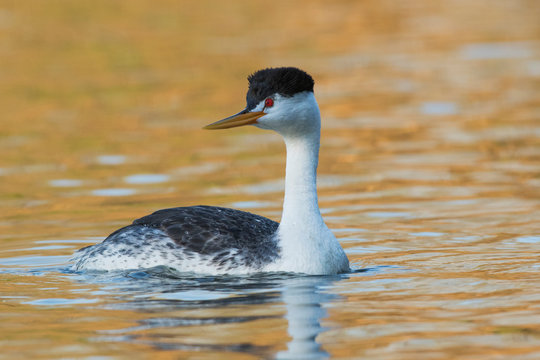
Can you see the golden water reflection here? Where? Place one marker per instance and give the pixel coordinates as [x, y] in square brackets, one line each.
[429, 175]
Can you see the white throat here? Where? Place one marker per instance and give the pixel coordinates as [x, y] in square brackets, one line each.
[307, 245]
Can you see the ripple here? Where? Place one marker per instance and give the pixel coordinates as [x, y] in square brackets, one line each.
[146, 178]
[113, 192]
[500, 50]
[68, 241]
[34, 260]
[60, 301]
[359, 250]
[528, 239]
[388, 214]
[111, 159]
[251, 204]
[50, 247]
[193, 295]
[65, 183]
[427, 233]
[439, 108]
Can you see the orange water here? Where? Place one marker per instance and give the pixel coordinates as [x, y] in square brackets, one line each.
[429, 176]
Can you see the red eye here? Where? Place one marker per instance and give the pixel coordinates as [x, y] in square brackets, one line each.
[269, 102]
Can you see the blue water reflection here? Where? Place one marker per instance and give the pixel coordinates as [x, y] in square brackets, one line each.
[163, 291]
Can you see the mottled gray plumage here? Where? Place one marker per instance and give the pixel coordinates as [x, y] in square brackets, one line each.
[226, 238]
[211, 229]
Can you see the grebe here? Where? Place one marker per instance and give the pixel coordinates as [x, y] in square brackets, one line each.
[215, 240]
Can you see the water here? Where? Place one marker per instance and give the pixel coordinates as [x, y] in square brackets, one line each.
[429, 177]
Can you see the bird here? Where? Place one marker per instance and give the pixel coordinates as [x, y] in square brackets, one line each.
[215, 240]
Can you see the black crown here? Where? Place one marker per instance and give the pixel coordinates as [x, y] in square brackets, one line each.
[285, 81]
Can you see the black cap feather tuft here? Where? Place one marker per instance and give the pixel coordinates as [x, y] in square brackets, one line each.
[285, 81]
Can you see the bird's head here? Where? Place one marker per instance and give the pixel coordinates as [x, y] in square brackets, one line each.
[279, 99]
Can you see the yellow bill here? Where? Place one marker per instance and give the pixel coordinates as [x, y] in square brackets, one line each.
[240, 119]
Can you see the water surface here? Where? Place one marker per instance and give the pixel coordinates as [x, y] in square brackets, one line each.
[429, 176]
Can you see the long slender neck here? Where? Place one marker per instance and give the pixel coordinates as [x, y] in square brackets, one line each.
[300, 207]
[306, 244]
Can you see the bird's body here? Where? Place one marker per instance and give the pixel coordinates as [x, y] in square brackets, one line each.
[204, 239]
[214, 240]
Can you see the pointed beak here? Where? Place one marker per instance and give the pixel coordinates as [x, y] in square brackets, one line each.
[244, 117]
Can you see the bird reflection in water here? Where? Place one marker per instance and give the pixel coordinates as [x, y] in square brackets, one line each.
[304, 298]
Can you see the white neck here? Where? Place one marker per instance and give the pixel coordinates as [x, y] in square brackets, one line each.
[306, 243]
[300, 206]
